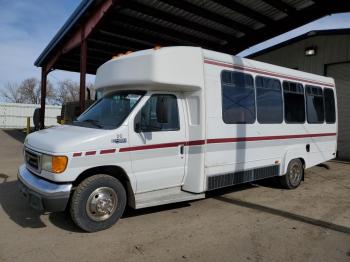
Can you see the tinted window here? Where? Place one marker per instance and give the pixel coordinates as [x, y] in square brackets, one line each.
[238, 98]
[294, 103]
[314, 104]
[269, 102]
[329, 103]
[160, 113]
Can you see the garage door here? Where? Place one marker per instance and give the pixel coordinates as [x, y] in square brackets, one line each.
[341, 74]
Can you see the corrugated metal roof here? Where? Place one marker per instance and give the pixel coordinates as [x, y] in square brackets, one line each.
[221, 25]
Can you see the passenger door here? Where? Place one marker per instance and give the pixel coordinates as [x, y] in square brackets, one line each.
[157, 140]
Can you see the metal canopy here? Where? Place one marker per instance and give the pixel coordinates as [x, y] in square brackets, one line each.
[229, 26]
[100, 29]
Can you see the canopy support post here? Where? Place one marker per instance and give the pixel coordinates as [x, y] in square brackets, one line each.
[83, 60]
[43, 96]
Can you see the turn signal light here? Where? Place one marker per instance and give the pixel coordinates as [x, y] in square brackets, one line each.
[59, 163]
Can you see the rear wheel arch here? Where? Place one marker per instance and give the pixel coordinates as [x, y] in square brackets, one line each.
[294, 175]
[114, 171]
[294, 152]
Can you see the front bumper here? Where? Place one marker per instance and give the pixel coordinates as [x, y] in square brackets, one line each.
[42, 194]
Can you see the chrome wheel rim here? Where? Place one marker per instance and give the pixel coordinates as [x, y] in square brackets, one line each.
[101, 203]
[295, 174]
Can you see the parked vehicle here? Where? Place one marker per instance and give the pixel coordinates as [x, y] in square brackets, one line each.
[71, 110]
[174, 123]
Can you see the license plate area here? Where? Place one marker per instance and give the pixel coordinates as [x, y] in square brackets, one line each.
[34, 200]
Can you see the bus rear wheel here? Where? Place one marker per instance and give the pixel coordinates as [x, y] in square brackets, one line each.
[294, 175]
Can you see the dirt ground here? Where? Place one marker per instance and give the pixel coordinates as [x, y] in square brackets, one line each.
[252, 222]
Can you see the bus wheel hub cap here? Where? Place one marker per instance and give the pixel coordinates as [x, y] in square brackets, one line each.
[101, 204]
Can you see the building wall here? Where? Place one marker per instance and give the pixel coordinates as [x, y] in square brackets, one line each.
[341, 74]
[14, 115]
[332, 59]
[330, 49]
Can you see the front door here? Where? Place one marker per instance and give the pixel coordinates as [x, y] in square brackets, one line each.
[157, 140]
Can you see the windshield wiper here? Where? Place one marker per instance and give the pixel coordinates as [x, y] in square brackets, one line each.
[93, 122]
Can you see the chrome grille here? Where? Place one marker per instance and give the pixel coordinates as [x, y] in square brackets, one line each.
[32, 160]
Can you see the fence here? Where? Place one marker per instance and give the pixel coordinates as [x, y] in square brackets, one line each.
[14, 115]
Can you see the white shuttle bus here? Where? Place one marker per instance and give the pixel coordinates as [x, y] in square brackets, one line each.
[176, 122]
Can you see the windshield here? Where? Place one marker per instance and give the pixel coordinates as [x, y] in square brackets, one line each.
[110, 111]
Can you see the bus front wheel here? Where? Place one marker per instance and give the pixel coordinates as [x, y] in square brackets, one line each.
[98, 202]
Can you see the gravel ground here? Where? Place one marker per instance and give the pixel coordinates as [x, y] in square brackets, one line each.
[252, 222]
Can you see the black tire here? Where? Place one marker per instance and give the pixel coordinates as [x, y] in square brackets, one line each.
[294, 175]
[81, 212]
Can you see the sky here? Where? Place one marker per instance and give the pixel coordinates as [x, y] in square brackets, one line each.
[27, 26]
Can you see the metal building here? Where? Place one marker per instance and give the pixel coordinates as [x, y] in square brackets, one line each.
[325, 52]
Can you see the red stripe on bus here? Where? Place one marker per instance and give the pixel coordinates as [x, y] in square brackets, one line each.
[90, 153]
[262, 138]
[195, 143]
[165, 145]
[221, 140]
[155, 146]
[107, 151]
[269, 73]
[77, 154]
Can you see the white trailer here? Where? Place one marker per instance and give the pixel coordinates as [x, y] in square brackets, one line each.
[174, 123]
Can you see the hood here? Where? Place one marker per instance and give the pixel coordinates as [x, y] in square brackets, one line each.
[66, 138]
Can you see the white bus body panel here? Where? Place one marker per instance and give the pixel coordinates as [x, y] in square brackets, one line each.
[175, 69]
[259, 148]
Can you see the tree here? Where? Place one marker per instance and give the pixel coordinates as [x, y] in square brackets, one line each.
[29, 91]
[67, 91]
[10, 93]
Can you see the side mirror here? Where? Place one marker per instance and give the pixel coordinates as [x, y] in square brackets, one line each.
[162, 110]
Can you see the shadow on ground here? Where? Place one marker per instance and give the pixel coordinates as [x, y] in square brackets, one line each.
[19, 211]
[16, 134]
[285, 214]
[16, 207]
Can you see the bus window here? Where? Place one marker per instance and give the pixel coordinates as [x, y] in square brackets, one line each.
[314, 104]
[269, 104]
[294, 102]
[238, 98]
[329, 103]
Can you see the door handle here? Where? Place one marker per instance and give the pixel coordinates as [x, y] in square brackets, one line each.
[182, 148]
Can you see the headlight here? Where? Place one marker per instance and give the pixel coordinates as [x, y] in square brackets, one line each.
[55, 164]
